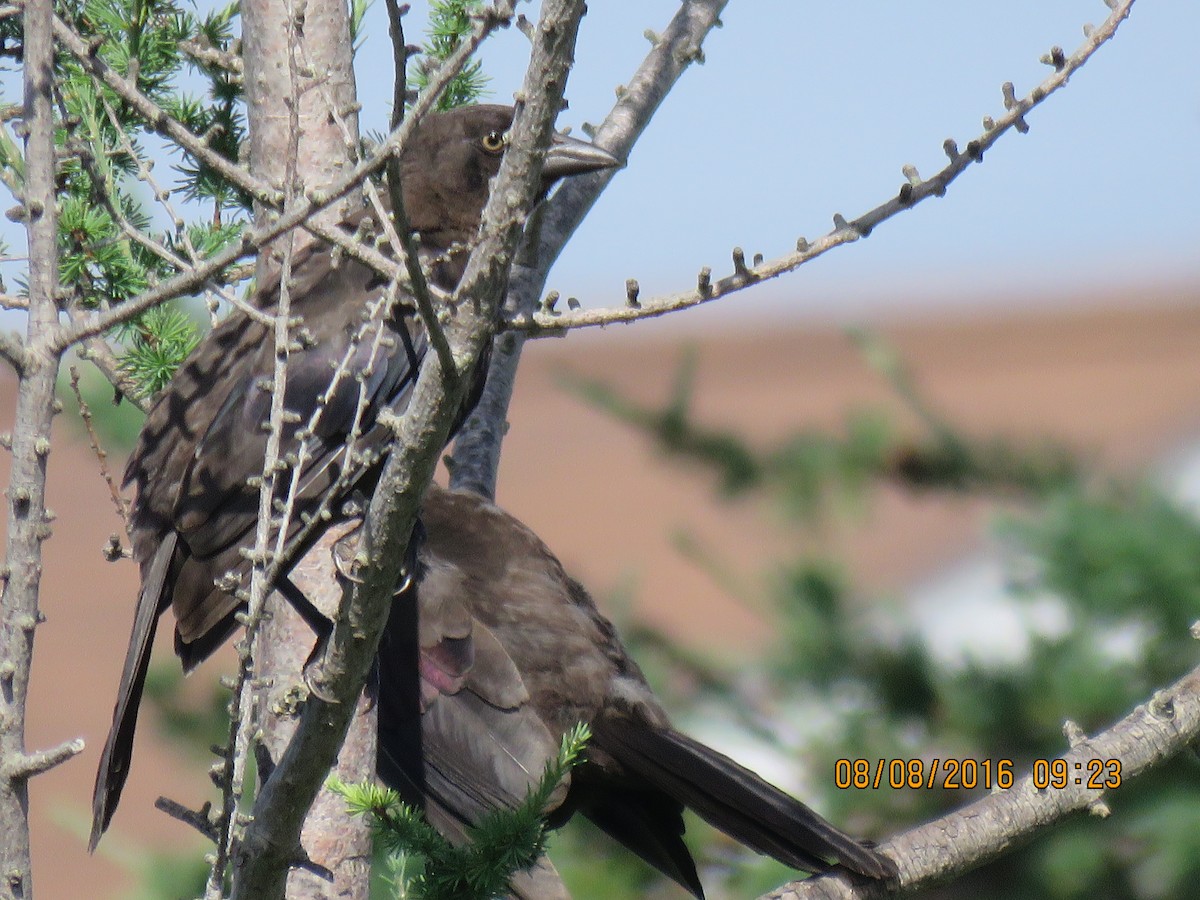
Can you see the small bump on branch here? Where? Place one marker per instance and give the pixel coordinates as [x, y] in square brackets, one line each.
[1076, 737]
[197, 818]
[1055, 58]
[632, 289]
[1010, 103]
[740, 269]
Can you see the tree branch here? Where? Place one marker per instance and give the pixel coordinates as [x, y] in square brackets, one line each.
[912, 192]
[301, 140]
[272, 839]
[399, 230]
[27, 519]
[12, 350]
[98, 351]
[477, 448]
[1159, 729]
[114, 491]
[303, 210]
[32, 764]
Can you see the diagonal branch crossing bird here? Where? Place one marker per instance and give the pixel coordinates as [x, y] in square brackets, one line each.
[203, 443]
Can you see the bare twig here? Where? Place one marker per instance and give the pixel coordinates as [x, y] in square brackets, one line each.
[912, 192]
[197, 818]
[30, 764]
[398, 232]
[85, 413]
[281, 119]
[206, 54]
[372, 328]
[247, 706]
[163, 198]
[98, 351]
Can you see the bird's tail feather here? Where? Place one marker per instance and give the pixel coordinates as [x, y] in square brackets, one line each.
[648, 822]
[735, 800]
[118, 748]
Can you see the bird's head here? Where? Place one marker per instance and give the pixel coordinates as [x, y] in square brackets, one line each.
[451, 159]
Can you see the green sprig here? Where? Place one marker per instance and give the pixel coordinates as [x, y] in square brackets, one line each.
[449, 25]
[502, 843]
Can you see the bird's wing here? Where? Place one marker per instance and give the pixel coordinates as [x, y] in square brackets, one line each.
[470, 742]
[214, 507]
[201, 388]
[640, 771]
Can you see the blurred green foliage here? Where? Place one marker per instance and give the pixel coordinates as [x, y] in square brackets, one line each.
[1121, 557]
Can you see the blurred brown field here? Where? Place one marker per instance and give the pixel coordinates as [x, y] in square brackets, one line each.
[1121, 384]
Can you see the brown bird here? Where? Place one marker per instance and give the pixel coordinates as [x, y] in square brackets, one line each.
[513, 653]
[203, 442]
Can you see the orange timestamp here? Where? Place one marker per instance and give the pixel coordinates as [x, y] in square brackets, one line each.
[1093, 774]
[969, 774]
[948, 774]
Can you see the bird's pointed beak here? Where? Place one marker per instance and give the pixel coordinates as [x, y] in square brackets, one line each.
[568, 156]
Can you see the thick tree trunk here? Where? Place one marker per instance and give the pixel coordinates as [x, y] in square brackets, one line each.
[300, 90]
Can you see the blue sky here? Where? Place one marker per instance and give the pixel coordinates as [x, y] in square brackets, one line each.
[804, 109]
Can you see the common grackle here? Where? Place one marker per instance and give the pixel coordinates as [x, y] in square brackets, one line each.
[203, 441]
[512, 654]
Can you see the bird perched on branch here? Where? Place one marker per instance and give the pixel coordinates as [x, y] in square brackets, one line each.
[204, 442]
[512, 654]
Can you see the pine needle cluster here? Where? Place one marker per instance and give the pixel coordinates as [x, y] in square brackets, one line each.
[426, 866]
[122, 228]
[120, 231]
[449, 24]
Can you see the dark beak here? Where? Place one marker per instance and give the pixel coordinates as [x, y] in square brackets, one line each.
[568, 156]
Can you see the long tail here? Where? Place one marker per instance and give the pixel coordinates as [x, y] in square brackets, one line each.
[118, 748]
[735, 800]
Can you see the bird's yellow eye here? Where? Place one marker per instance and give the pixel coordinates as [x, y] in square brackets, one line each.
[494, 141]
